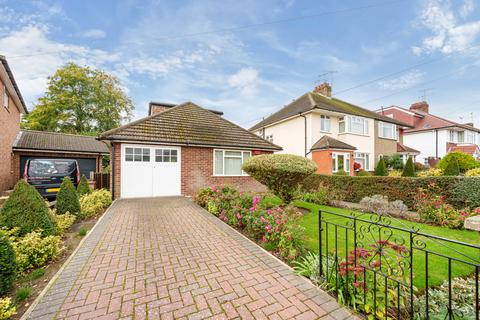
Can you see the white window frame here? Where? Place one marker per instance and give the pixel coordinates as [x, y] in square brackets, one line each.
[365, 156]
[242, 157]
[382, 125]
[6, 98]
[325, 123]
[347, 123]
[346, 161]
[469, 136]
[142, 154]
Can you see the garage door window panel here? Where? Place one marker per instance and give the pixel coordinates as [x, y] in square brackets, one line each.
[166, 155]
[137, 154]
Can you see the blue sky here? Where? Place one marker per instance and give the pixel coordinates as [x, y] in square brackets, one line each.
[204, 51]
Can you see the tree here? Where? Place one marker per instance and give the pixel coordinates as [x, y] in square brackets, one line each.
[464, 161]
[83, 187]
[452, 168]
[67, 198]
[80, 100]
[281, 173]
[381, 169]
[409, 170]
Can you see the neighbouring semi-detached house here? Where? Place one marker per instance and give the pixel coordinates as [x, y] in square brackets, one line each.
[434, 136]
[12, 107]
[179, 149]
[333, 133]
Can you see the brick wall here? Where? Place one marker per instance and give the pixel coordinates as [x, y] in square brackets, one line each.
[196, 172]
[384, 147]
[116, 166]
[10, 126]
[323, 159]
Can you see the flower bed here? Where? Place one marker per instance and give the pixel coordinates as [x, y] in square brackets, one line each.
[276, 228]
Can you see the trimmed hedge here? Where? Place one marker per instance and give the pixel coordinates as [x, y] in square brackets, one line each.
[67, 198]
[8, 265]
[354, 189]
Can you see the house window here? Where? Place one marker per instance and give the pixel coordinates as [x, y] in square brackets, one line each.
[387, 130]
[166, 155]
[229, 162]
[353, 124]
[363, 159]
[451, 136]
[137, 154]
[269, 138]
[325, 124]
[340, 162]
[6, 99]
[460, 136]
[470, 137]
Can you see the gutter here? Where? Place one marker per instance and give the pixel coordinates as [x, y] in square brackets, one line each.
[14, 149]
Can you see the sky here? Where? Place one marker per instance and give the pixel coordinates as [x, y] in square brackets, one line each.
[250, 58]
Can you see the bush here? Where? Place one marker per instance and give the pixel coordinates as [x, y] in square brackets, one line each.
[94, 203]
[420, 166]
[23, 293]
[63, 221]
[473, 173]
[67, 198]
[83, 187]
[341, 173]
[319, 197]
[465, 161]
[395, 173]
[7, 310]
[381, 169]
[8, 265]
[380, 205]
[354, 189]
[34, 251]
[363, 173]
[27, 210]
[452, 168]
[409, 170]
[394, 162]
[467, 192]
[281, 173]
[432, 172]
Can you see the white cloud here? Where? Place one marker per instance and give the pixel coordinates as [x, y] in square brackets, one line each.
[405, 81]
[246, 80]
[450, 33]
[94, 34]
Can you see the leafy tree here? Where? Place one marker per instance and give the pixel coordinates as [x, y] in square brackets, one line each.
[80, 100]
[83, 187]
[409, 170]
[465, 161]
[67, 198]
[452, 168]
[8, 265]
[27, 210]
[281, 173]
[381, 169]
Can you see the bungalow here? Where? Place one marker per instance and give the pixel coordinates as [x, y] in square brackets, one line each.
[179, 149]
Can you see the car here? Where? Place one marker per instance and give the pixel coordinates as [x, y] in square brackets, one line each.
[46, 175]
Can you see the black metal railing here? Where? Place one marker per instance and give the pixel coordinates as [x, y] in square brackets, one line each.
[390, 271]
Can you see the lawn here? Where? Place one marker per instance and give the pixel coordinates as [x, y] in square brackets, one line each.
[438, 266]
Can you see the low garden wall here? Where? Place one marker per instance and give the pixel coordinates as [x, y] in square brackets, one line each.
[354, 189]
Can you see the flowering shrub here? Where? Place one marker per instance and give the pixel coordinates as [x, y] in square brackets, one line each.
[92, 204]
[432, 172]
[473, 172]
[63, 221]
[7, 310]
[277, 228]
[432, 207]
[395, 173]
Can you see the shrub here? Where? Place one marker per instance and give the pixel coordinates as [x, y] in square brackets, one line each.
[395, 173]
[393, 162]
[420, 166]
[34, 251]
[308, 266]
[67, 198]
[94, 203]
[381, 169]
[467, 192]
[380, 204]
[82, 232]
[473, 173]
[409, 170]
[341, 173]
[465, 161]
[452, 168]
[83, 187]
[363, 173]
[27, 210]
[319, 197]
[7, 310]
[432, 172]
[7, 264]
[281, 173]
[23, 293]
[63, 221]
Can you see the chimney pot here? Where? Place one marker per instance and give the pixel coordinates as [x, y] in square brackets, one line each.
[421, 106]
[324, 89]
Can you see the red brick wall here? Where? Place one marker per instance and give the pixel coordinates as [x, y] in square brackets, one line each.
[196, 172]
[10, 126]
[323, 159]
[115, 166]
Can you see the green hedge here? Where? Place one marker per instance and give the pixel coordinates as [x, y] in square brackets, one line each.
[354, 189]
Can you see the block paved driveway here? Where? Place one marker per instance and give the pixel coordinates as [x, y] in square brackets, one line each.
[166, 258]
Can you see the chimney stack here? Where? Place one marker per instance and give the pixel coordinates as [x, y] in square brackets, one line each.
[421, 106]
[324, 89]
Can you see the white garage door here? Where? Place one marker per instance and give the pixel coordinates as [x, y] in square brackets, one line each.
[150, 171]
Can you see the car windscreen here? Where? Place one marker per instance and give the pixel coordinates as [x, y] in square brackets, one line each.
[49, 167]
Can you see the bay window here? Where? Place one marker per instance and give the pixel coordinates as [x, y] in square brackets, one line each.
[325, 124]
[387, 130]
[363, 159]
[229, 162]
[340, 162]
[353, 124]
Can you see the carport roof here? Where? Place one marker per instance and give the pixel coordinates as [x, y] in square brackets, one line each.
[29, 140]
[188, 124]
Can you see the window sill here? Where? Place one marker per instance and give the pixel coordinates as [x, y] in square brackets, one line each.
[385, 138]
[355, 134]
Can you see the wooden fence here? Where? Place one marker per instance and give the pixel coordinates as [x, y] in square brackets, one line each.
[102, 180]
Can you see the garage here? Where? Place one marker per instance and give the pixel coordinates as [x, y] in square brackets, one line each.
[150, 171]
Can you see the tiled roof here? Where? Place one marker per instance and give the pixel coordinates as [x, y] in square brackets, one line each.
[327, 142]
[429, 121]
[404, 148]
[53, 141]
[470, 149]
[189, 124]
[312, 100]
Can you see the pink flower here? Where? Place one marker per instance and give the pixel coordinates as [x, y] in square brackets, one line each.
[268, 228]
[239, 216]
